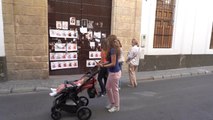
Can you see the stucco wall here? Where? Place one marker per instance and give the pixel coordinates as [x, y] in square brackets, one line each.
[2, 50]
[26, 38]
[192, 27]
[191, 36]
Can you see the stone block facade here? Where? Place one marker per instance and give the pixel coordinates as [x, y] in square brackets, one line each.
[26, 34]
[126, 22]
[26, 38]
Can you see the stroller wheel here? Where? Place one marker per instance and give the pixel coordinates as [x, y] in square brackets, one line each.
[83, 101]
[56, 115]
[54, 109]
[84, 113]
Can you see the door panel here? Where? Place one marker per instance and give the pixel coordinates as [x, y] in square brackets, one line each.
[94, 15]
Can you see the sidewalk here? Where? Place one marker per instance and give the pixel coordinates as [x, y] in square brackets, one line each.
[21, 86]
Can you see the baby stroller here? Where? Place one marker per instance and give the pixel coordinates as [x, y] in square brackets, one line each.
[79, 106]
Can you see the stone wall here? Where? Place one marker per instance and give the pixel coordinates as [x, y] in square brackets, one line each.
[26, 34]
[126, 21]
[26, 38]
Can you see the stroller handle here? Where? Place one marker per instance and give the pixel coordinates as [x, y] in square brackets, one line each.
[93, 71]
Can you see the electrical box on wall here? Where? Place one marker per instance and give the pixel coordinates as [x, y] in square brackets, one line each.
[142, 48]
[143, 40]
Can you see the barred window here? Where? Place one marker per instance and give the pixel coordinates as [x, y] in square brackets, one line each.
[164, 24]
[211, 44]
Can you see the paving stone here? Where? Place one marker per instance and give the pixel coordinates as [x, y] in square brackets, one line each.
[5, 90]
[201, 72]
[194, 73]
[208, 72]
[42, 89]
[167, 76]
[146, 78]
[23, 89]
[176, 75]
[160, 77]
[185, 74]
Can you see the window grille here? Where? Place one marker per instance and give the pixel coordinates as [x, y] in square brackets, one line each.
[164, 24]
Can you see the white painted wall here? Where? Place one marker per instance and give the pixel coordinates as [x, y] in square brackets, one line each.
[2, 48]
[192, 27]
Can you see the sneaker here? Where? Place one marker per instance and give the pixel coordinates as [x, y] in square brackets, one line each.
[53, 94]
[108, 106]
[53, 89]
[102, 95]
[130, 86]
[114, 109]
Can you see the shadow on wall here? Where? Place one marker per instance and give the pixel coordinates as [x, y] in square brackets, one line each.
[3, 70]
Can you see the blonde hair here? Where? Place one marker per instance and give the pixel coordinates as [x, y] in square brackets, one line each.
[113, 42]
[104, 44]
[135, 42]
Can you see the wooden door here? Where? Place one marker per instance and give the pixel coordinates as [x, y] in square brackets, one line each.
[76, 28]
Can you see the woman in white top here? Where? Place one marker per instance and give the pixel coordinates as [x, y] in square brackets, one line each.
[133, 61]
[121, 60]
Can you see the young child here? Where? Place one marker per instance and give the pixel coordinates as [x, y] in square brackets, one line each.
[57, 90]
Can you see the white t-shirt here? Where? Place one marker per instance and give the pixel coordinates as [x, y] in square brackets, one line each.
[133, 55]
[121, 58]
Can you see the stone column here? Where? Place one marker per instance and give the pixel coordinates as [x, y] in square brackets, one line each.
[126, 21]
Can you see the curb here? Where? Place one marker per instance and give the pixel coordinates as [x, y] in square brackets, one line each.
[7, 89]
[23, 89]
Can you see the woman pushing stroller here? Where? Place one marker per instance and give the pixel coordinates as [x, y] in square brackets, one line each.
[113, 53]
[114, 75]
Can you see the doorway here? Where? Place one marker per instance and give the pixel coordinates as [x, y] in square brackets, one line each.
[76, 28]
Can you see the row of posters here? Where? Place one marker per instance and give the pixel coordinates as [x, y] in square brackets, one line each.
[64, 65]
[55, 65]
[65, 47]
[65, 44]
[76, 22]
[91, 63]
[73, 33]
[73, 55]
[63, 56]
